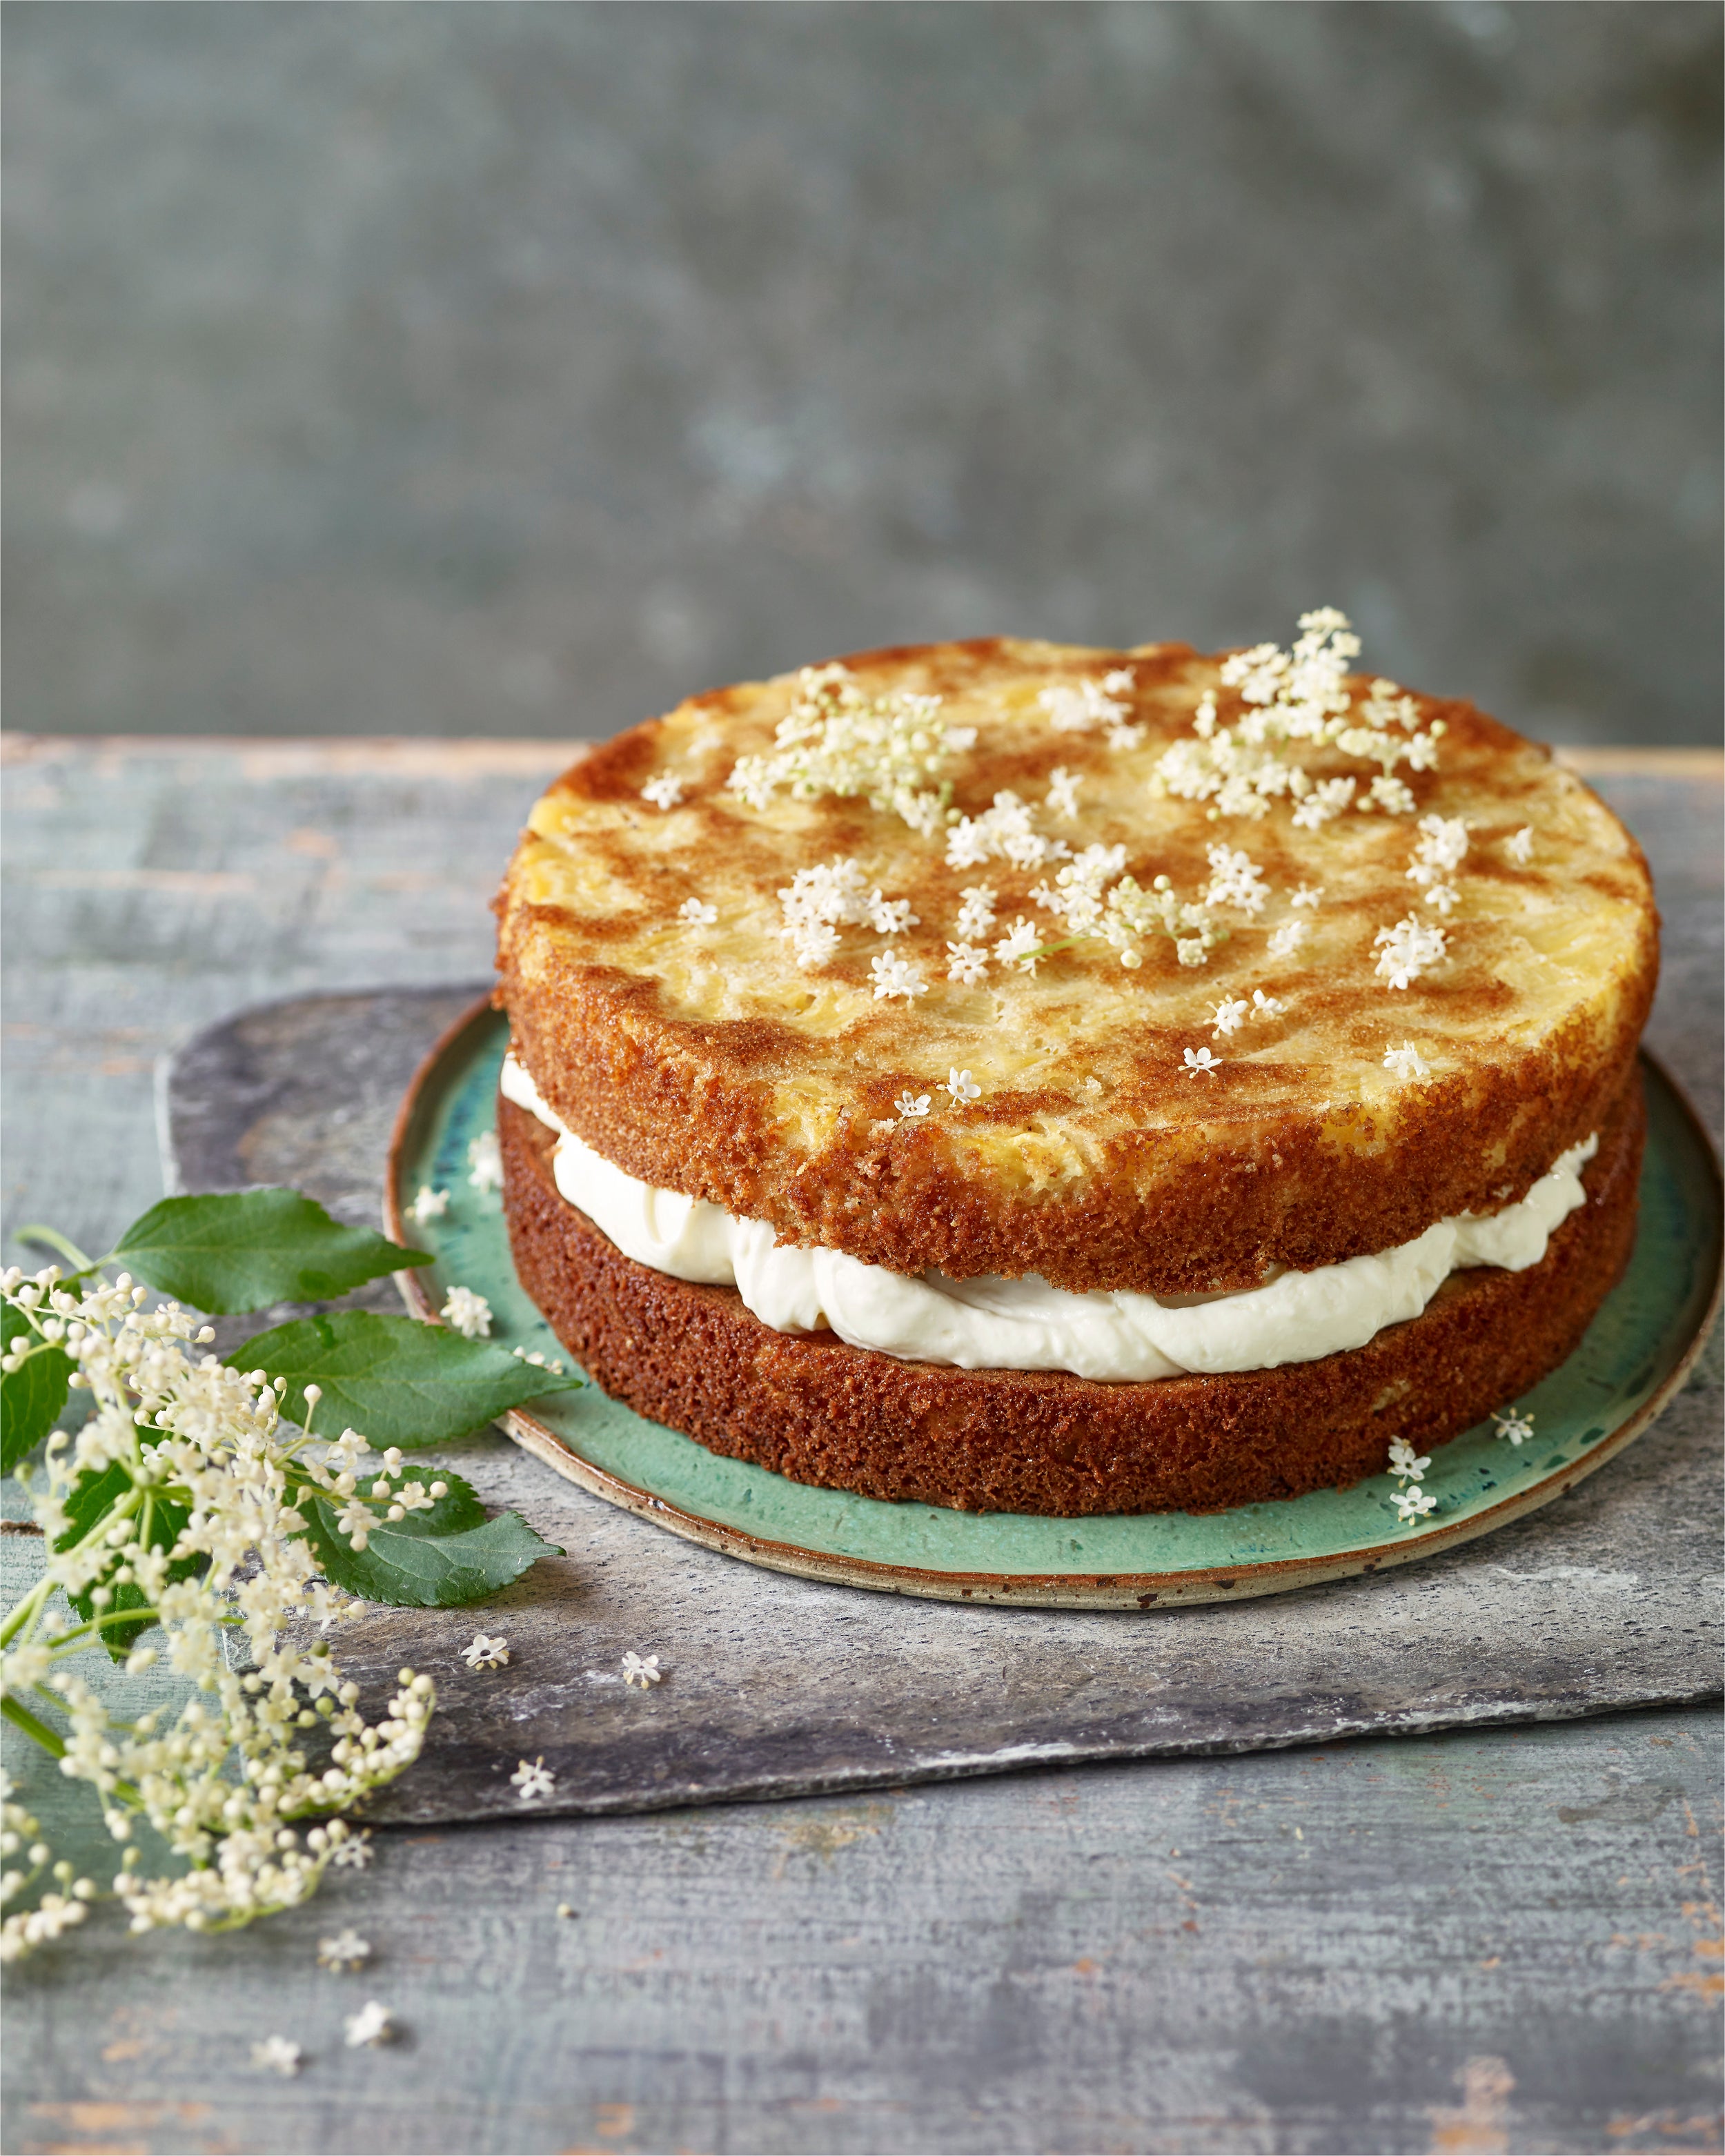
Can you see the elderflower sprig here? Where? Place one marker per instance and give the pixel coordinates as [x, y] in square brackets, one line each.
[188, 1499]
[837, 738]
[1294, 700]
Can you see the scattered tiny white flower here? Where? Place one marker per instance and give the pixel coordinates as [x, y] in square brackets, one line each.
[1079, 707]
[533, 1778]
[912, 1104]
[353, 1852]
[1409, 948]
[664, 791]
[566, 1909]
[697, 915]
[482, 1653]
[970, 964]
[1202, 1059]
[891, 917]
[1235, 880]
[372, 2024]
[1516, 1424]
[428, 1205]
[470, 1314]
[346, 1950]
[1406, 1061]
[1265, 1006]
[1230, 1015]
[1287, 939]
[278, 2055]
[1021, 945]
[1308, 895]
[976, 915]
[1406, 1465]
[485, 1163]
[1063, 787]
[1411, 1504]
[962, 1087]
[1519, 847]
[642, 1669]
[1444, 897]
[894, 976]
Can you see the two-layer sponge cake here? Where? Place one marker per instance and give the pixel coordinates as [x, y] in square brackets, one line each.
[1035, 1079]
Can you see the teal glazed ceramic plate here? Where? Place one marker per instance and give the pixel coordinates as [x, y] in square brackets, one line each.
[1632, 1358]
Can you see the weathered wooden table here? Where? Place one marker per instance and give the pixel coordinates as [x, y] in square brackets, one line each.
[1498, 1940]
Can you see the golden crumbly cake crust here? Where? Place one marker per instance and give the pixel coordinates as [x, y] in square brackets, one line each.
[702, 1058]
[819, 1411]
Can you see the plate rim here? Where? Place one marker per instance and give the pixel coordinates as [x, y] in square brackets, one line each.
[1076, 1590]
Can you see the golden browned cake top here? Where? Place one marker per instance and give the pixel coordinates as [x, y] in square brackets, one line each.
[1134, 969]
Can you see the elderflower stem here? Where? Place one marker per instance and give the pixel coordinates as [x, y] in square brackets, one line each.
[37, 1233]
[39, 1732]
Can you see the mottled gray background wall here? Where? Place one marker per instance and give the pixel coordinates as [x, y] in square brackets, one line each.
[519, 367]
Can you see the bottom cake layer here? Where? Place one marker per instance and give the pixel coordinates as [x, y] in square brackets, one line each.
[813, 1408]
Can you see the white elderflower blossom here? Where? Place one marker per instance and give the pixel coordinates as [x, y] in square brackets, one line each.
[1406, 1465]
[1515, 1425]
[1519, 846]
[1021, 945]
[1308, 895]
[1063, 787]
[1406, 1062]
[1322, 802]
[485, 1163]
[1413, 1504]
[428, 1205]
[1202, 1059]
[912, 1104]
[1079, 707]
[894, 976]
[533, 1778]
[1230, 1015]
[642, 1669]
[1235, 880]
[969, 965]
[696, 914]
[1266, 1006]
[962, 1087]
[891, 917]
[837, 738]
[372, 2025]
[470, 1314]
[346, 1950]
[1407, 951]
[209, 1545]
[976, 915]
[1441, 850]
[1006, 832]
[275, 2055]
[1122, 913]
[819, 901]
[664, 791]
[483, 1653]
[1285, 942]
[1295, 699]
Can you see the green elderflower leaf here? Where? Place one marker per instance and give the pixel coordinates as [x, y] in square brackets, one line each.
[433, 1560]
[31, 1396]
[91, 1498]
[396, 1380]
[244, 1250]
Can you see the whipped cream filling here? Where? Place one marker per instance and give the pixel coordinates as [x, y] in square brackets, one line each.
[995, 1324]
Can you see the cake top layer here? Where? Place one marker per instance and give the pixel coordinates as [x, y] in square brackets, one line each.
[1135, 969]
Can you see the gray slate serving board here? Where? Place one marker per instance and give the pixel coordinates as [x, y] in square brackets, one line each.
[776, 1686]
